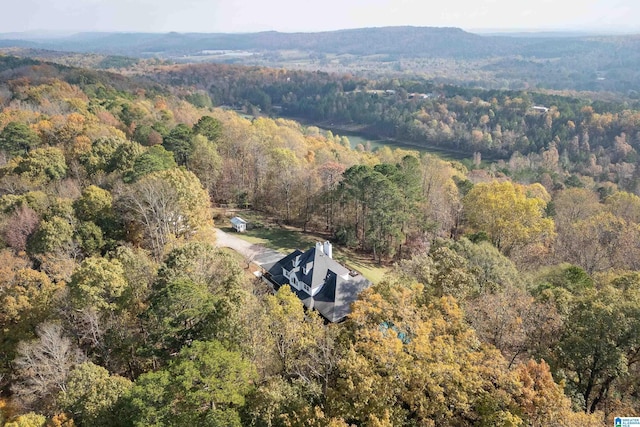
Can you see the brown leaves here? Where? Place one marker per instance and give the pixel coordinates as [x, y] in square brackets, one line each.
[20, 226]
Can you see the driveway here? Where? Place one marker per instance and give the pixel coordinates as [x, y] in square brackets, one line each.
[257, 254]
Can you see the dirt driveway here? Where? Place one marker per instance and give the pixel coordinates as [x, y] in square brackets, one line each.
[257, 254]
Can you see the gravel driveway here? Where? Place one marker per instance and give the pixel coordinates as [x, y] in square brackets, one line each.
[258, 254]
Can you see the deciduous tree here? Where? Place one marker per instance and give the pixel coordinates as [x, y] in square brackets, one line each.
[510, 218]
[167, 205]
[42, 367]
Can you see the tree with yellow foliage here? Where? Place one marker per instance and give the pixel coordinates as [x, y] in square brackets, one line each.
[414, 364]
[512, 216]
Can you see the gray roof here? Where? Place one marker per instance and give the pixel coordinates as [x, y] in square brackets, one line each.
[340, 287]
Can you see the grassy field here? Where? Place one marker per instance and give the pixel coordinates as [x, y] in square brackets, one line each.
[286, 239]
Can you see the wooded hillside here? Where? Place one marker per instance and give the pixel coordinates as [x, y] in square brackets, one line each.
[509, 301]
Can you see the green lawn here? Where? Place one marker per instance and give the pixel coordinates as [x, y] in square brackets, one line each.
[366, 266]
[287, 239]
[280, 239]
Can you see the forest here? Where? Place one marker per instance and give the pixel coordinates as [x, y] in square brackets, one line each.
[513, 292]
[564, 137]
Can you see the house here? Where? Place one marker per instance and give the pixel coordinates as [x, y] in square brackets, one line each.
[239, 224]
[320, 282]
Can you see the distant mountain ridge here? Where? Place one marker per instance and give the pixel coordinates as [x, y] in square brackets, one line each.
[446, 42]
[595, 63]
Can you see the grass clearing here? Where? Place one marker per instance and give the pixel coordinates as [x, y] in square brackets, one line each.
[270, 234]
[281, 239]
[364, 264]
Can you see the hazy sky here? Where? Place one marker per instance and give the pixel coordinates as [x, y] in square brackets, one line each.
[301, 15]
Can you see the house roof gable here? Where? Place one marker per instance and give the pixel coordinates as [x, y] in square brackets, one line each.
[340, 287]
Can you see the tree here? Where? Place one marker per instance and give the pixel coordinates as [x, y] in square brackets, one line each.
[409, 363]
[598, 344]
[101, 154]
[208, 127]
[28, 420]
[197, 296]
[204, 386]
[154, 159]
[140, 271]
[42, 165]
[179, 312]
[508, 215]
[179, 143]
[95, 206]
[493, 270]
[205, 162]
[305, 349]
[18, 139]
[375, 203]
[20, 226]
[52, 236]
[28, 299]
[284, 169]
[600, 242]
[91, 394]
[165, 206]
[42, 367]
[543, 402]
[99, 283]
[515, 323]
[442, 272]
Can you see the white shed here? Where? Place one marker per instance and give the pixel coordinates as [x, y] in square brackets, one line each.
[239, 224]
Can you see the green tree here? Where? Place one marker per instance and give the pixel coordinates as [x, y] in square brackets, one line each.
[18, 139]
[154, 159]
[179, 142]
[42, 165]
[101, 154]
[52, 236]
[91, 394]
[99, 283]
[208, 127]
[205, 386]
[94, 204]
[442, 272]
[377, 207]
[179, 311]
[492, 269]
[198, 295]
[599, 344]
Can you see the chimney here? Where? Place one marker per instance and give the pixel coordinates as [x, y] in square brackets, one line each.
[328, 250]
[319, 248]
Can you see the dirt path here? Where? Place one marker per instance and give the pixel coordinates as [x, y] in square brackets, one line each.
[252, 252]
